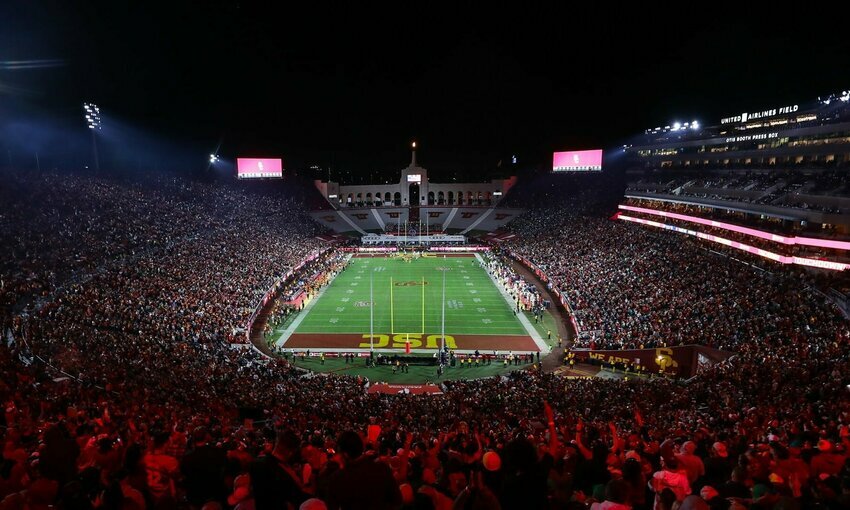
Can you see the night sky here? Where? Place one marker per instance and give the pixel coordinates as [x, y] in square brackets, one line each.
[351, 86]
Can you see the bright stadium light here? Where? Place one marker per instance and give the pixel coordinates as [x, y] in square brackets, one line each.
[677, 126]
[694, 125]
[92, 116]
[213, 158]
[94, 124]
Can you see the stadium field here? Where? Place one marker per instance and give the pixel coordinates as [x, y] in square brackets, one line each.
[406, 306]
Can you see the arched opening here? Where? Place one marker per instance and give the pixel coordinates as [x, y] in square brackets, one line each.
[360, 199]
[441, 198]
[451, 197]
[470, 198]
[387, 197]
[480, 198]
[413, 193]
[430, 198]
[489, 198]
[350, 199]
[378, 200]
[460, 198]
[368, 199]
[397, 199]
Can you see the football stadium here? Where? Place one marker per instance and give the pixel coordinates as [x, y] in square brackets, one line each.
[424, 263]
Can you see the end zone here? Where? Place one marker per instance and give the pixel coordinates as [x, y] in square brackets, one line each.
[418, 343]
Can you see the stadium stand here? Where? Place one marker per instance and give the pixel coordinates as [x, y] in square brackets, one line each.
[121, 388]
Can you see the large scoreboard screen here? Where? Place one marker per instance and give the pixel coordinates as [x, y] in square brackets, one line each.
[577, 161]
[259, 168]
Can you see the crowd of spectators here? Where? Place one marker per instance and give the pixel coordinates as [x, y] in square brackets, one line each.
[524, 295]
[632, 287]
[824, 191]
[121, 389]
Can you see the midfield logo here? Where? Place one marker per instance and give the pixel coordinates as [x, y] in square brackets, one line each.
[434, 214]
[468, 214]
[501, 216]
[329, 218]
[360, 216]
[393, 214]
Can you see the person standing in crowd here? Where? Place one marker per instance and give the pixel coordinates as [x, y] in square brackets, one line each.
[669, 477]
[357, 472]
[717, 465]
[162, 470]
[690, 463]
[274, 479]
[203, 469]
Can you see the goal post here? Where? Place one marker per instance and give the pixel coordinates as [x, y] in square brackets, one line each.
[406, 330]
[423, 305]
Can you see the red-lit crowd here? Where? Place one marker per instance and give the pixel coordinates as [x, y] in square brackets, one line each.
[121, 390]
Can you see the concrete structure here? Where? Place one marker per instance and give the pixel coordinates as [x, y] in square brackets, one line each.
[460, 219]
[433, 207]
[414, 188]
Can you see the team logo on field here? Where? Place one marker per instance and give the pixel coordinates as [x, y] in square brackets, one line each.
[362, 304]
[329, 218]
[468, 214]
[360, 216]
[393, 214]
[410, 283]
[434, 214]
[501, 216]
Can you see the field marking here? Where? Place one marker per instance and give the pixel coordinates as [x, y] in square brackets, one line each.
[544, 348]
[281, 340]
[321, 315]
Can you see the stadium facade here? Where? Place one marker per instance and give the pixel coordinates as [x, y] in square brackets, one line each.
[439, 207]
[781, 135]
[781, 163]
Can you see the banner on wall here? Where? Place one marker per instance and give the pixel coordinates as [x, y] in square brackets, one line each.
[680, 361]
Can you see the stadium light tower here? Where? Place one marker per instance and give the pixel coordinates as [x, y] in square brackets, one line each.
[94, 123]
[214, 157]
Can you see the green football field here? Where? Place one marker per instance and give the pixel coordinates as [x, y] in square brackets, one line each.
[405, 303]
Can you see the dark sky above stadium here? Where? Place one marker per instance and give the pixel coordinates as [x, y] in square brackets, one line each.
[350, 86]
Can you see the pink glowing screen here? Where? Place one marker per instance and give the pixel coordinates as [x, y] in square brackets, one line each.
[577, 161]
[258, 168]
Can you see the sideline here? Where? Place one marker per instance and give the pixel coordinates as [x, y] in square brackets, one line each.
[532, 332]
[281, 340]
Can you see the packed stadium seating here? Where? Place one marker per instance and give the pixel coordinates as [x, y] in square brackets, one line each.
[121, 389]
[797, 188]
